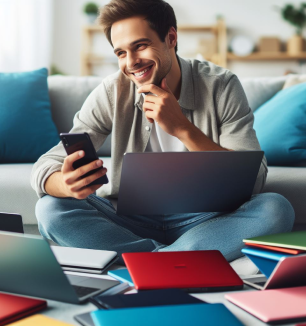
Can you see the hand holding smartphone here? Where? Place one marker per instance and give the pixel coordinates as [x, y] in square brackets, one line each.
[82, 142]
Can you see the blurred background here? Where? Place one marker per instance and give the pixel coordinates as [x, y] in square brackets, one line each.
[251, 38]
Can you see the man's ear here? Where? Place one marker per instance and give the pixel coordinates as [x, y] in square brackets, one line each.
[172, 37]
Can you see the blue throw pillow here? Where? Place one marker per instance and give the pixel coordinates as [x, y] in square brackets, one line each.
[26, 127]
[280, 126]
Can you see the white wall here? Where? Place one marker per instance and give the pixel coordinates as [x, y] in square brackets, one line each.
[248, 17]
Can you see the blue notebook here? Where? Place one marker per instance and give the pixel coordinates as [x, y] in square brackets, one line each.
[121, 275]
[265, 260]
[178, 315]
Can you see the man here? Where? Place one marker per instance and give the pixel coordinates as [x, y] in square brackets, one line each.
[189, 106]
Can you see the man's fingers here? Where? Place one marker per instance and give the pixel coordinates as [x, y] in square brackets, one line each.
[151, 99]
[149, 106]
[84, 182]
[87, 191]
[150, 115]
[67, 166]
[148, 109]
[88, 167]
[153, 89]
[73, 176]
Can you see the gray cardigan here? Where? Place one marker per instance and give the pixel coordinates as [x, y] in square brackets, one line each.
[211, 98]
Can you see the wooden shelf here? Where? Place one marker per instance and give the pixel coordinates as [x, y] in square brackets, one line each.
[219, 34]
[191, 28]
[257, 56]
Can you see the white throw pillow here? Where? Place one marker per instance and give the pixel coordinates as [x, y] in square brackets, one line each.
[294, 80]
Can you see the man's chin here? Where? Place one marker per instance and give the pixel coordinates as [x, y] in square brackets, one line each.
[153, 80]
[138, 84]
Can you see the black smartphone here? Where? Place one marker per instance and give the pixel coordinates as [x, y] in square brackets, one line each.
[77, 142]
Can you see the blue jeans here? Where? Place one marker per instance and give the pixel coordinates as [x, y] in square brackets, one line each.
[93, 223]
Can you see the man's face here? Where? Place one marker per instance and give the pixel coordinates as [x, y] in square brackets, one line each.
[142, 56]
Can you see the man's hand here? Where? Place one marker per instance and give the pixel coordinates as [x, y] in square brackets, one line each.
[164, 108]
[69, 182]
[75, 185]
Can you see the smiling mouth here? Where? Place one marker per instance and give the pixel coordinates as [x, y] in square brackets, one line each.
[141, 73]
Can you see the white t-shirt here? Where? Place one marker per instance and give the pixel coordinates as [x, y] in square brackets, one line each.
[160, 141]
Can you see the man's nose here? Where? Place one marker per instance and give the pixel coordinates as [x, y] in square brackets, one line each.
[132, 62]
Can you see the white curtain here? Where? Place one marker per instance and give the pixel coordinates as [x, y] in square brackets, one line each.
[25, 34]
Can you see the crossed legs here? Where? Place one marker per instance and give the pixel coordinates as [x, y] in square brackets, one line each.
[93, 223]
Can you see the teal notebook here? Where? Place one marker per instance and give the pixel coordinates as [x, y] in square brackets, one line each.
[121, 275]
[178, 315]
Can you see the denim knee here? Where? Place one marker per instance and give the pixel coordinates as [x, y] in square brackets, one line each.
[47, 215]
[277, 211]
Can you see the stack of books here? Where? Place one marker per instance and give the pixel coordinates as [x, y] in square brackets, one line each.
[266, 251]
[282, 258]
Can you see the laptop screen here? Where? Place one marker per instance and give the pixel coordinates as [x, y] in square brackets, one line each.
[11, 223]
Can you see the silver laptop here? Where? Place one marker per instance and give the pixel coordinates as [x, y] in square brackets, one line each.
[289, 272]
[84, 260]
[186, 182]
[29, 267]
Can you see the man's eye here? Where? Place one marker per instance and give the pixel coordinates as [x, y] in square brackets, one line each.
[119, 53]
[141, 46]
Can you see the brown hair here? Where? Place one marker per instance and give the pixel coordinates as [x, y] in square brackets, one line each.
[158, 13]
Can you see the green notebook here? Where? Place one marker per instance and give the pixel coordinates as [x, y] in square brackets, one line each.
[293, 240]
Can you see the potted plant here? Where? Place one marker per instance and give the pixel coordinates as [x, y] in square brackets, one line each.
[297, 18]
[91, 10]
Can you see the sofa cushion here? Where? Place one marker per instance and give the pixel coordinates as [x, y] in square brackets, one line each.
[260, 90]
[294, 80]
[289, 182]
[26, 127]
[67, 95]
[280, 126]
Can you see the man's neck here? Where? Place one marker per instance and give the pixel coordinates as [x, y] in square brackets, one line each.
[174, 77]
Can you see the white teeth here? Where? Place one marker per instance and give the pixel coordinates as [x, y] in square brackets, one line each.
[141, 73]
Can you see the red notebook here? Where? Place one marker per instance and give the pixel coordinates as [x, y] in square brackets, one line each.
[193, 271]
[13, 307]
[273, 248]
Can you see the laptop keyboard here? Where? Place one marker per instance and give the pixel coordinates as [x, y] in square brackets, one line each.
[82, 291]
[260, 283]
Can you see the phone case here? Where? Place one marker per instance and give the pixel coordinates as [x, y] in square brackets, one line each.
[76, 142]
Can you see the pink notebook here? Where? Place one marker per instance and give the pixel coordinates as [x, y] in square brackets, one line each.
[273, 305]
